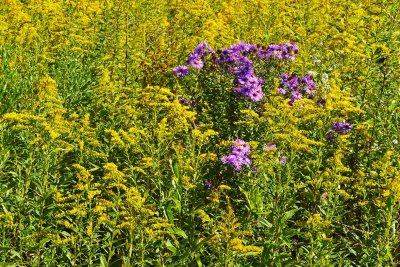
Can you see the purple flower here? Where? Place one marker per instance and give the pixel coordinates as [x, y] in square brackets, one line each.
[181, 71]
[283, 160]
[342, 127]
[239, 155]
[310, 90]
[297, 95]
[256, 95]
[298, 87]
[269, 147]
[202, 49]
[236, 61]
[241, 146]
[281, 91]
[195, 61]
[207, 184]
[183, 101]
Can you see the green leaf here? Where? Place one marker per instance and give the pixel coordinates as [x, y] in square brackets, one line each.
[103, 261]
[177, 173]
[170, 247]
[288, 214]
[265, 223]
[177, 231]
[198, 260]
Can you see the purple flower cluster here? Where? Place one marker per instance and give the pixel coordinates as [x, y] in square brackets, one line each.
[185, 102]
[269, 147]
[342, 127]
[196, 59]
[207, 184]
[239, 155]
[296, 87]
[181, 71]
[235, 60]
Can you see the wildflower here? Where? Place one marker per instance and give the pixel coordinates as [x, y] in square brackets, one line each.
[185, 102]
[283, 160]
[182, 100]
[195, 61]
[241, 146]
[256, 95]
[269, 147]
[342, 127]
[239, 155]
[207, 184]
[234, 59]
[181, 71]
[202, 49]
[297, 86]
[281, 91]
[297, 95]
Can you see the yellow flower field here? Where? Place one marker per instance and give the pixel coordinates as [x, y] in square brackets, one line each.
[199, 133]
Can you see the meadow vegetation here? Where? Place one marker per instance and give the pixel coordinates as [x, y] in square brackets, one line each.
[199, 133]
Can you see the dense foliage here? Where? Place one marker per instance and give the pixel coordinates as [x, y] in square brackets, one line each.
[199, 133]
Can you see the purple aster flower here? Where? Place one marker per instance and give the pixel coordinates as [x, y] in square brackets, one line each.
[269, 147]
[298, 87]
[239, 155]
[256, 95]
[281, 91]
[203, 48]
[241, 146]
[207, 184]
[182, 100]
[181, 71]
[293, 83]
[342, 127]
[245, 90]
[263, 53]
[198, 64]
[242, 70]
[252, 79]
[195, 61]
[310, 90]
[297, 95]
